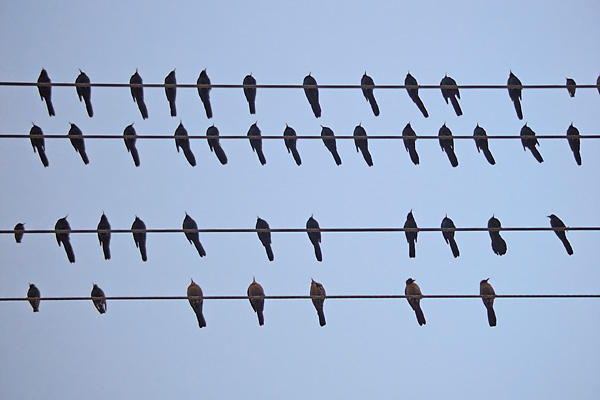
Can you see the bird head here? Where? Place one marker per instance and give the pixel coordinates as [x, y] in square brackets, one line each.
[409, 281]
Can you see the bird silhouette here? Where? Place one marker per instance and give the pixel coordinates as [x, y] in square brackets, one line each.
[37, 142]
[412, 289]
[450, 91]
[514, 92]
[366, 83]
[329, 141]
[447, 144]
[498, 244]
[98, 299]
[481, 142]
[204, 93]
[19, 231]
[413, 93]
[409, 137]
[139, 236]
[257, 300]
[182, 141]
[213, 143]
[85, 92]
[571, 87]
[104, 237]
[447, 223]
[137, 93]
[411, 237]
[315, 237]
[558, 227]
[317, 294]
[529, 141]
[312, 94]
[289, 139]
[256, 142]
[195, 297]
[76, 137]
[46, 91]
[485, 289]
[250, 93]
[360, 142]
[573, 137]
[33, 296]
[598, 83]
[130, 143]
[62, 229]
[171, 92]
[265, 237]
[193, 237]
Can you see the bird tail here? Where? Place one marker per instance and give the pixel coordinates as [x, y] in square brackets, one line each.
[367, 156]
[50, 107]
[454, 247]
[43, 157]
[269, 252]
[318, 253]
[84, 157]
[207, 108]
[143, 110]
[567, 245]
[316, 108]
[414, 156]
[452, 157]
[491, 316]
[173, 108]
[135, 155]
[336, 157]
[421, 106]
[106, 250]
[518, 108]
[252, 106]
[321, 317]
[199, 248]
[88, 107]
[420, 316]
[488, 155]
[456, 106]
[261, 156]
[536, 154]
[577, 155]
[261, 318]
[201, 320]
[143, 252]
[220, 154]
[412, 251]
[69, 251]
[498, 244]
[374, 105]
[189, 156]
[296, 156]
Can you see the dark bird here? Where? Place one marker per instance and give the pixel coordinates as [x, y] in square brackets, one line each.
[409, 137]
[450, 91]
[414, 93]
[19, 230]
[598, 83]
[171, 92]
[85, 92]
[256, 142]
[46, 91]
[130, 143]
[571, 87]
[573, 137]
[329, 141]
[481, 142]
[250, 93]
[411, 237]
[412, 289]
[104, 237]
[447, 223]
[37, 142]
[139, 237]
[204, 93]
[558, 227]
[317, 294]
[360, 142]
[315, 237]
[366, 83]
[498, 244]
[529, 141]
[98, 299]
[33, 296]
[514, 92]
[137, 93]
[312, 94]
[214, 145]
[193, 237]
[195, 297]
[265, 237]
[76, 137]
[257, 300]
[447, 144]
[62, 229]
[485, 289]
[182, 141]
[289, 138]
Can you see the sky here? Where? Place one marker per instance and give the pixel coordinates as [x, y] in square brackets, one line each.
[369, 348]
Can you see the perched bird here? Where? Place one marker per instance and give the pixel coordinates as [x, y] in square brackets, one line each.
[411, 237]
[315, 237]
[366, 83]
[130, 143]
[250, 93]
[447, 223]
[182, 141]
[33, 296]
[76, 137]
[498, 244]
[450, 91]
[137, 93]
[204, 93]
[317, 293]
[85, 92]
[289, 139]
[139, 237]
[447, 145]
[19, 230]
[571, 87]
[412, 289]
[598, 83]
[195, 297]
[98, 299]
[557, 224]
[214, 145]
[329, 141]
[193, 237]
[104, 237]
[37, 142]
[529, 141]
[573, 137]
[265, 237]
[171, 92]
[481, 142]
[485, 289]
[360, 142]
[312, 94]
[514, 92]
[46, 91]
[62, 229]
[409, 137]
[257, 300]
[256, 142]
[413, 93]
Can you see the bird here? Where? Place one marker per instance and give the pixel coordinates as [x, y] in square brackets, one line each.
[571, 87]
[84, 92]
[447, 145]
[312, 94]
[213, 143]
[315, 237]
[360, 141]
[514, 92]
[481, 142]
[62, 229]
[182, 141]
[37, 142]
[171, 92]
[130, 143]
[412, 289]
[139, 237]
[529, 141]
[204, 93]
[450, 91]
[193, 237]
[409, 137]
[137, 93]
[104, 237]
[366, 83]
[413, 93]
[317, 294]
[329, 141]
[498, 244]
[33, 296]
[250, 93]
[256, 142]
[76, 137]
[289, 139]
[447, 223]
[411, 237]
[558, 227]
[257, 300]
[19, 230]
[195, 297]
[485, 289]
[598, 83]
[98, 299]
[573, 137]
[46, 91]
[265, 237]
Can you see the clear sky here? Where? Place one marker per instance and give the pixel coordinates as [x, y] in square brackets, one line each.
[542, 348]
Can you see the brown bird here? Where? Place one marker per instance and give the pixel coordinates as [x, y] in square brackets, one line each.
[19, 230]
[412, 289]
[258, 301]
[485, 289]
[194, 294]
[33, 296]
[99, 299]
[317, 293]
[571, 87]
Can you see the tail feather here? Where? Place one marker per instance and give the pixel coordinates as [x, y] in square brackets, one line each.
[43, 157]
[577, 155]
[518, 107]
[199, 248]
[142, 106]
[412, 251]
[173, 108]
[488, 155]
[498, 244]
[321, 317]
[491, 316]
[536, 154]
[367, 156]
[373, 102]
[318, 253]
[207, 108]
[261, 156]
[88, 107]
[269, 251]
[106, 250]
[316, 108]
[261, 318]
[454, 247]
[252, 106]
[421, 106]
[189, 156]
[456, 106]
[50, 107]
[296, 156]
[201, 320]
[414, 156]
[336, 157]
[452, 157]
[143, 252]
[135, 156]
[567, 245]
[420, 316]
[220, 153]
[84, 156]
[69, 251]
